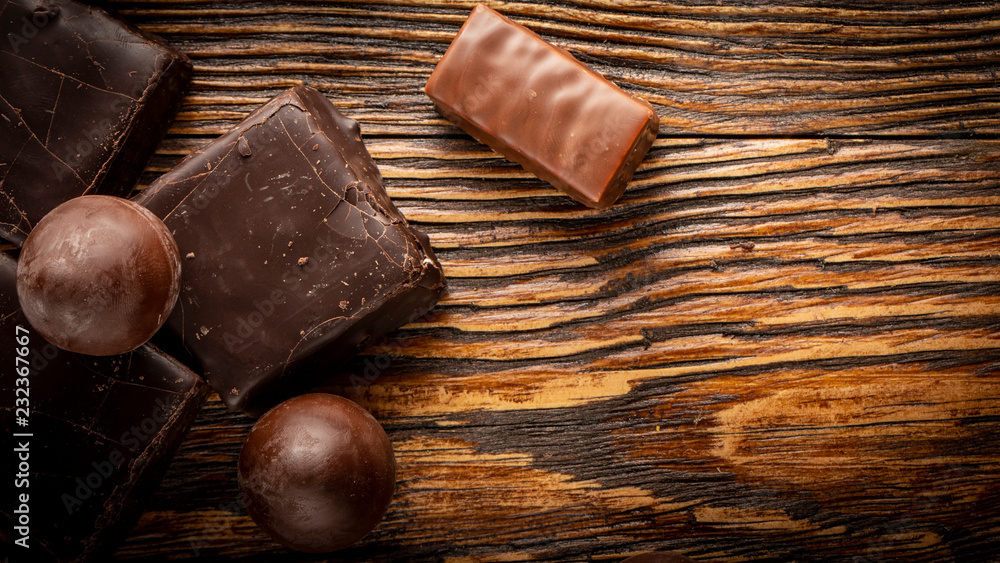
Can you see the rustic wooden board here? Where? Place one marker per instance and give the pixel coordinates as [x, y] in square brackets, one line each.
[786, 67]
[782, 344]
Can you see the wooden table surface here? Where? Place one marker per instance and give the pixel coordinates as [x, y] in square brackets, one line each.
[782, 344]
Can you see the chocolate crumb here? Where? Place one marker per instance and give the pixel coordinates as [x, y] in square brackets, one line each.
[244, 146]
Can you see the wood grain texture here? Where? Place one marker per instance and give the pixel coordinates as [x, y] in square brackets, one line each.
[782, 344]
[769, 350]
[785, 68]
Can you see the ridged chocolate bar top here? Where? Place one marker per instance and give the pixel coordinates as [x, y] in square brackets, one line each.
[291, 250]
[84, 100]
[540, 107]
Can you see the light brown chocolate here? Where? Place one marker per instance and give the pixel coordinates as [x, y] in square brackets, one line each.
[537, 105]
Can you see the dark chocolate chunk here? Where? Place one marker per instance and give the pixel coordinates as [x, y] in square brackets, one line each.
[538, 106]
[295, 252]
[317, 472]
[84, 100]
[98, 275]
[91, 437]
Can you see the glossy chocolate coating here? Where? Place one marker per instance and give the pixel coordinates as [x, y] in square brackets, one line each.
[293, 251]
[84, 100]
[103, 431]
[99, 275]
[537, 105]
[659, 557]
[317, 472]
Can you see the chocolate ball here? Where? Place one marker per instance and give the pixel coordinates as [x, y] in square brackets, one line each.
[659, 557]
[98, 275]
[317, 472]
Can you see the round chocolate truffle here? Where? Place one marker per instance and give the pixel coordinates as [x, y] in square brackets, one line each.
[317, 472]
[98, 275]
[659, 557]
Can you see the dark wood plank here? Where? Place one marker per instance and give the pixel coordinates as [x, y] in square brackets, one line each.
[773, 349]
[769, 350]
[766, 68]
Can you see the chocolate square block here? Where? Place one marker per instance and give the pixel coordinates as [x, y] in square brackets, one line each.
[91, 437]
[292, 252]
[538, 106]
[84, 100]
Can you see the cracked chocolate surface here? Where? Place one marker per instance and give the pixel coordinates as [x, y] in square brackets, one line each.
[84, 99]
[294, 252]
[103, 431]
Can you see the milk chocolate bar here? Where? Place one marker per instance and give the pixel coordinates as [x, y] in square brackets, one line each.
[538, 106]
[84, 100]
[90, 437]
[292, 252]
